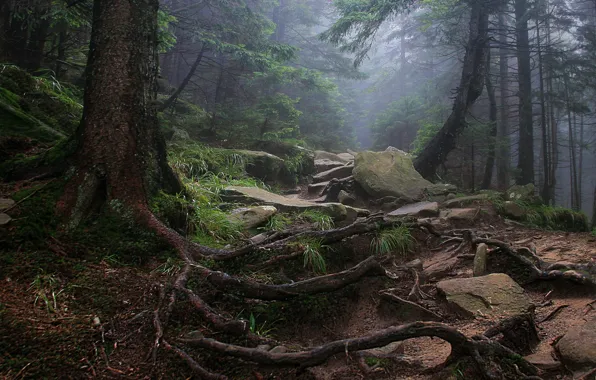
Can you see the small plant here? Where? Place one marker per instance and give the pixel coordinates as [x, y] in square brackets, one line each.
[255, 328]
[44, 288]
[171, 267]
[313, 258]
[277, 222]
[322, 221]
[395, 240]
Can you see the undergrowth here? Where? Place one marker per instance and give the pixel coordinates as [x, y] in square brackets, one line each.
[397, 240]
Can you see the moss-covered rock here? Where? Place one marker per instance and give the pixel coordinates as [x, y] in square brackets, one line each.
[392, 173]
[39, 108]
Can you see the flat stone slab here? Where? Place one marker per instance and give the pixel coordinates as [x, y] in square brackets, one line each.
[578, 346]
[325, 164]
[339, 172]
[255, 195]
[420, 209]
[322, 155]
[494, 295]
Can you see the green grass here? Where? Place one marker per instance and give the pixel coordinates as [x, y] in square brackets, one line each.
[277, 222]
[312, 257]
[397, 240]
[321, 221]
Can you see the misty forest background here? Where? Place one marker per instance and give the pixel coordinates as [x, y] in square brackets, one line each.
[237, 72]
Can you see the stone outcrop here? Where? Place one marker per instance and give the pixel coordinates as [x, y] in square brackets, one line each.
[492, 295]
[420, 209]
[578, 346]
[251, 217]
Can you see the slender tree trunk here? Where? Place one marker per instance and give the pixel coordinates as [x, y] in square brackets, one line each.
[471, 84]
[490, 155]
[594, 209]
[503, 158]
[280, 23]
[120, 156]
[554, 143]
[572, 163]
[187, 79]
[525, 163]
[546, 184]
[581, 162]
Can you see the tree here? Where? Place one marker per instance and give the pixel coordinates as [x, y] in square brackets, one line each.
[120, 156]
[366, 18]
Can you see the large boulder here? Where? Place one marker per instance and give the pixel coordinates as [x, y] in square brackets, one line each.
[339, 172]
[392, 173]
[294, 155]
[578, 346]
[460, 214]
[524, 193]
[420, 209]
[251, 217]
[465, 201]
[492, 295]
[514, 210]
[346, 156]
[250, 195]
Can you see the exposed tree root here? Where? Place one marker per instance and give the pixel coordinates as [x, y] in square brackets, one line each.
[461, 346]
[315, 285]
[197, 369]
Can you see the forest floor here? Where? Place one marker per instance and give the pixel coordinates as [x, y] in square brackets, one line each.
[68, 310]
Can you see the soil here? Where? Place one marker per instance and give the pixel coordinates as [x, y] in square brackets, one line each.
[69, 312]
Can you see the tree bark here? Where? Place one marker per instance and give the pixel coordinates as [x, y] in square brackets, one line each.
[546, 159]
[503, 158]
[490, 155]
[525, 163]
[120, 156]
[594, 210]
[470, 88]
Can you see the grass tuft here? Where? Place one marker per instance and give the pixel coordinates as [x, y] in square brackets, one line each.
[397, 240]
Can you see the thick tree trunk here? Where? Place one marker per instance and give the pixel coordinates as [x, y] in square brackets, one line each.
[470, 88]
[120, 155]
[490, 155]
[526, 139]
[594, 210]
[503, 158]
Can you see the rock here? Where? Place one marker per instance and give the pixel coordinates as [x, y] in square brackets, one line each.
[4, 219]
[339, 172]
[460, 214]
[288, 151]
[480, 260]
[279, 350]
[263, 347]
[346, 198]
[513, 210]
[440, 269]
[322, 155]
[394, 348]
[251, 217]
[420, 209]
[179, 135]
[258, 239]
[262, 165]
[523, 193]
[325, 164]
[577, 347]
[464, 201]
[6, 203]
[251, 195]
[346, 156]
[544, 360]
[494, 295]
[295, 190]
[394, 149]
[316, 188]
[392, 173]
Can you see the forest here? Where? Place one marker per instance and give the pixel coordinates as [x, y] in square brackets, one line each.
[298, 189]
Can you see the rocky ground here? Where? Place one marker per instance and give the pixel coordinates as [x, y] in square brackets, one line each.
[470, 265]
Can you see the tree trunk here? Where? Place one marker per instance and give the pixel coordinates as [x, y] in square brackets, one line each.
[526, 139]
[280, 22]
[191, 72]
[546, 159]
[503, 158]
[490, 155]
[471, 84]
[594, 210]
[120, 156]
